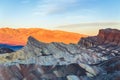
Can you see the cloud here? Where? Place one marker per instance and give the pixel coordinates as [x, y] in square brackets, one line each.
[46, 7]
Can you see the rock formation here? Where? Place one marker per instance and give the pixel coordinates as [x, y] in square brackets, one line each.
[60, 61]
[55, 61]
[109, 36]
[106, 42]
[105, 36]
[111, 69]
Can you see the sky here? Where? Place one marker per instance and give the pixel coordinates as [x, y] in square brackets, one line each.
[54, 13]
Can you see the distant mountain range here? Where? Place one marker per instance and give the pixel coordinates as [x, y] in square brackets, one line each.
[11, 46]
[19, 36]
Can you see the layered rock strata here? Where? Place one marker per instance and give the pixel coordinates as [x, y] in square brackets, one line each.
[59, 61]
[106, 42]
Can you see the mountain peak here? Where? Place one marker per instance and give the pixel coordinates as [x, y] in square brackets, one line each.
[32, 41]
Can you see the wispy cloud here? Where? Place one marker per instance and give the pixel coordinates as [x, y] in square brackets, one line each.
[46, 7]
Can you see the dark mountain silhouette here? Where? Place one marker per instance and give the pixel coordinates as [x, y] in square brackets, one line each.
[15, 48]
[5, 50]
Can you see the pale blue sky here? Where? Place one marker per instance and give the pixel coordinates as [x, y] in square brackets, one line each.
[52, 13]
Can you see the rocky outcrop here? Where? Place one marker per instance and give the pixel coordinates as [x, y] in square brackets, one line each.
[106, 42]
[111, 69]
[38, 72]
[88, 42]
[110, 36]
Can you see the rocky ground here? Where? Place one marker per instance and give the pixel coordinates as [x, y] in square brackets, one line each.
[93, 58]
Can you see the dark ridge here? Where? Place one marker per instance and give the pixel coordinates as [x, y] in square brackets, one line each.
[15, 48]
[34, 42]
[5, 50]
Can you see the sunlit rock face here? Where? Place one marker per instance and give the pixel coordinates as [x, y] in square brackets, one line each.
[19, 36]
[59, 61]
